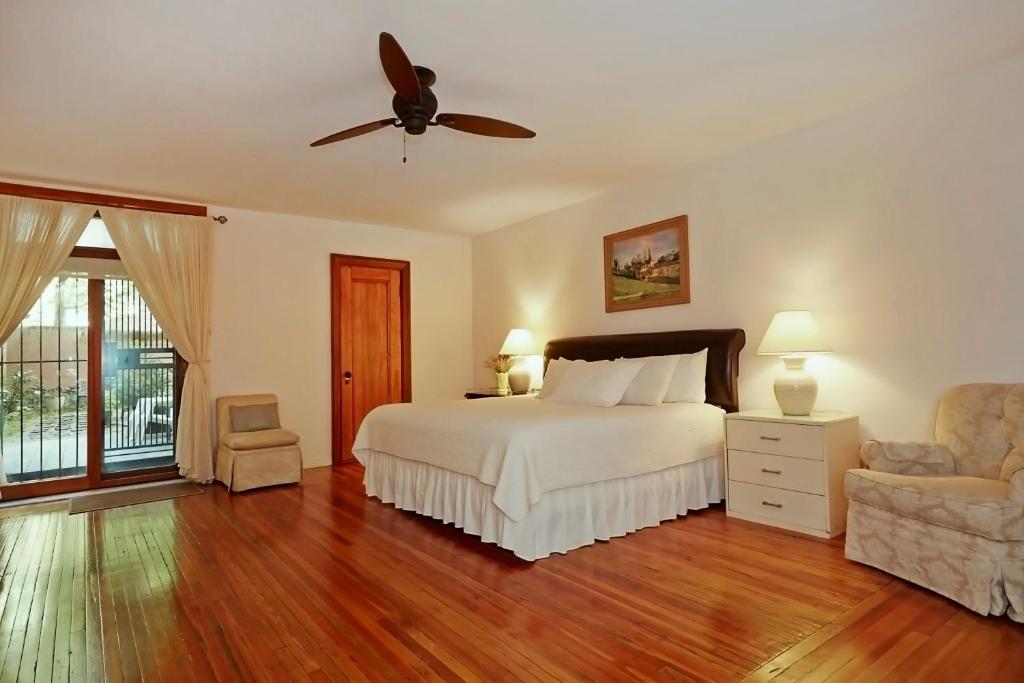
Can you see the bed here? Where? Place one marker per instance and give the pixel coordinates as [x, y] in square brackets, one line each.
[538, 478]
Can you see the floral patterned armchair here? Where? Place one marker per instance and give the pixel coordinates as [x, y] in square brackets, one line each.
[949, 515]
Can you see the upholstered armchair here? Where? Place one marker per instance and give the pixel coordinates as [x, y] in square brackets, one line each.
[949, 515]
[253, 450]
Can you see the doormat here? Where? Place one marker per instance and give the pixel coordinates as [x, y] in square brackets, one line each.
[147, 494]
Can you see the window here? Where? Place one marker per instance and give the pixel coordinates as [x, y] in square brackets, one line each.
[139, 379]
[48, 368]
[43, 371]
[96, 235]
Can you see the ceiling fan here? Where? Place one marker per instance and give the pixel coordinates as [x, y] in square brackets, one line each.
[415, 104]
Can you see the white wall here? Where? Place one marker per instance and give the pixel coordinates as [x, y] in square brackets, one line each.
[271, 308]
[901, 226]
[272, 312]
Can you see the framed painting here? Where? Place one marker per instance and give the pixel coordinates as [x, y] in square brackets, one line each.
[647, 266]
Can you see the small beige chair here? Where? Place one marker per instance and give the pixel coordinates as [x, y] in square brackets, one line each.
[949, 514]
[251, 459]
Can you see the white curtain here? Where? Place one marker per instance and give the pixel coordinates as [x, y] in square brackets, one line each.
[168, 258]
[36, 237]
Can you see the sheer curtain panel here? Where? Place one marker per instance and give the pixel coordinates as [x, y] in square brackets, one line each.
[168, 257]
[36, 237]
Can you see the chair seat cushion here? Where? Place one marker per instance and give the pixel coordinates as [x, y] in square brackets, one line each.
[266, 438]
[970, 504]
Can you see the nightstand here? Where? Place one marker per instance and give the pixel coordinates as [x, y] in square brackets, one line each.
[788, 471]
[493, 393]
[486, 393]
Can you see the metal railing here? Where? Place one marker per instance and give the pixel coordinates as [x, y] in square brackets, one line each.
[44, 391]
[139, 379]
[43, 401]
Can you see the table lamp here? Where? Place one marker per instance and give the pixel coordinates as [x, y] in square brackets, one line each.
[518, 343]
[793, 335]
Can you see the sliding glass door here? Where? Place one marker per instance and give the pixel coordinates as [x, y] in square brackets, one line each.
[140, 374]
[89, 384]
[44, 405]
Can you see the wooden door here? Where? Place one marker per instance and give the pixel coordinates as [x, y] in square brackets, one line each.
[370, 338]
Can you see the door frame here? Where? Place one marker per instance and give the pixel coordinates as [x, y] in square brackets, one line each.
[85, 482]
[94, 478]
[404, 293]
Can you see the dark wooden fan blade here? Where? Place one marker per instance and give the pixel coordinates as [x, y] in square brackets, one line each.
[353, 132]
[481, 125]
[398, 69]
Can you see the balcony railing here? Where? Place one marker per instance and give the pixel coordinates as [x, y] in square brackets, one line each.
[44, 389]
[43, 369]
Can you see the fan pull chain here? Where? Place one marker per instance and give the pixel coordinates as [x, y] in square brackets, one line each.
[404, 158]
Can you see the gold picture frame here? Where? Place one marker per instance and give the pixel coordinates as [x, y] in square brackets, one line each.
[647, 266]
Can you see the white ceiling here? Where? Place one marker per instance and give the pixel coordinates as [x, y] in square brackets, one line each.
[216, 101]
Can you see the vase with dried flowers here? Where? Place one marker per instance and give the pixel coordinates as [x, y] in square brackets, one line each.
[501, 364]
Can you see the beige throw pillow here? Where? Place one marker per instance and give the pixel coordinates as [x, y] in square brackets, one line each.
[254, 418]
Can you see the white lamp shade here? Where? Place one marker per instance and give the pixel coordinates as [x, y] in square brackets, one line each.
[519, 342]
[793, 332]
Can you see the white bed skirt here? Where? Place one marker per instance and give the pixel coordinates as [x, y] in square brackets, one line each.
[563, 520]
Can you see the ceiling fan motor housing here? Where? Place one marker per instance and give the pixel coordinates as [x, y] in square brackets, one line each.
[416, 117]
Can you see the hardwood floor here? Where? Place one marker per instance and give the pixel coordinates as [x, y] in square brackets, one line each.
[319, 583]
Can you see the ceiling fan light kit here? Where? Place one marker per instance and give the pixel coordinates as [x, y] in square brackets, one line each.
[415, 104]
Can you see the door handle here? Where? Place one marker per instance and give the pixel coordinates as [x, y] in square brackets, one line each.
[347, 377]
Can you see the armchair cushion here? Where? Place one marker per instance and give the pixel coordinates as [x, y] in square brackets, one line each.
[267, 438]
[908, 457]
[973, 505]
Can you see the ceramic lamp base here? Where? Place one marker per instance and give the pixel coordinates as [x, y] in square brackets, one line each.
[795, 390]
[519, 380]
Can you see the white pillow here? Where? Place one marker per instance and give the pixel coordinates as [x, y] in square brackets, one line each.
[554, 372]
[601, 383]
[652, 382]
[688, 381]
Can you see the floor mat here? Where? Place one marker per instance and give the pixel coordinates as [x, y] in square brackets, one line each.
[147, 494]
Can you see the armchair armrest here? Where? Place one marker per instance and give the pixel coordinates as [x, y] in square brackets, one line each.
[1013, 472]
[908, 457]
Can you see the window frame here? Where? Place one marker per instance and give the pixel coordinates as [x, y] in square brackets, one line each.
[94, 477]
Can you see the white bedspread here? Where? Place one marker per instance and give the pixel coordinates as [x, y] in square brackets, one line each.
[525, 447]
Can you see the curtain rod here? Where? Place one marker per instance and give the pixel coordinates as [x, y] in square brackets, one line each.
[218, 219]
[97, 199]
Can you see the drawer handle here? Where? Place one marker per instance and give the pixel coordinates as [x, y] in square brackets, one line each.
[770, 438]
[771, 504]
[768, 471]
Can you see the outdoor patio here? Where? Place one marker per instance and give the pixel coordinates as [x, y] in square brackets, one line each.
[56, 447]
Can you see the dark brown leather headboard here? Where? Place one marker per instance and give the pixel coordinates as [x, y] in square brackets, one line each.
[723, 354]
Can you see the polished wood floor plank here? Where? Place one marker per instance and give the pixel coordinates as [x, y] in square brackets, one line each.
[21, 630]
[318, 583]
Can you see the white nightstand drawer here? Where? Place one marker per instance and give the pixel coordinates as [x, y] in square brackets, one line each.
[794, 440]
[790, 507]
[794, 474]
